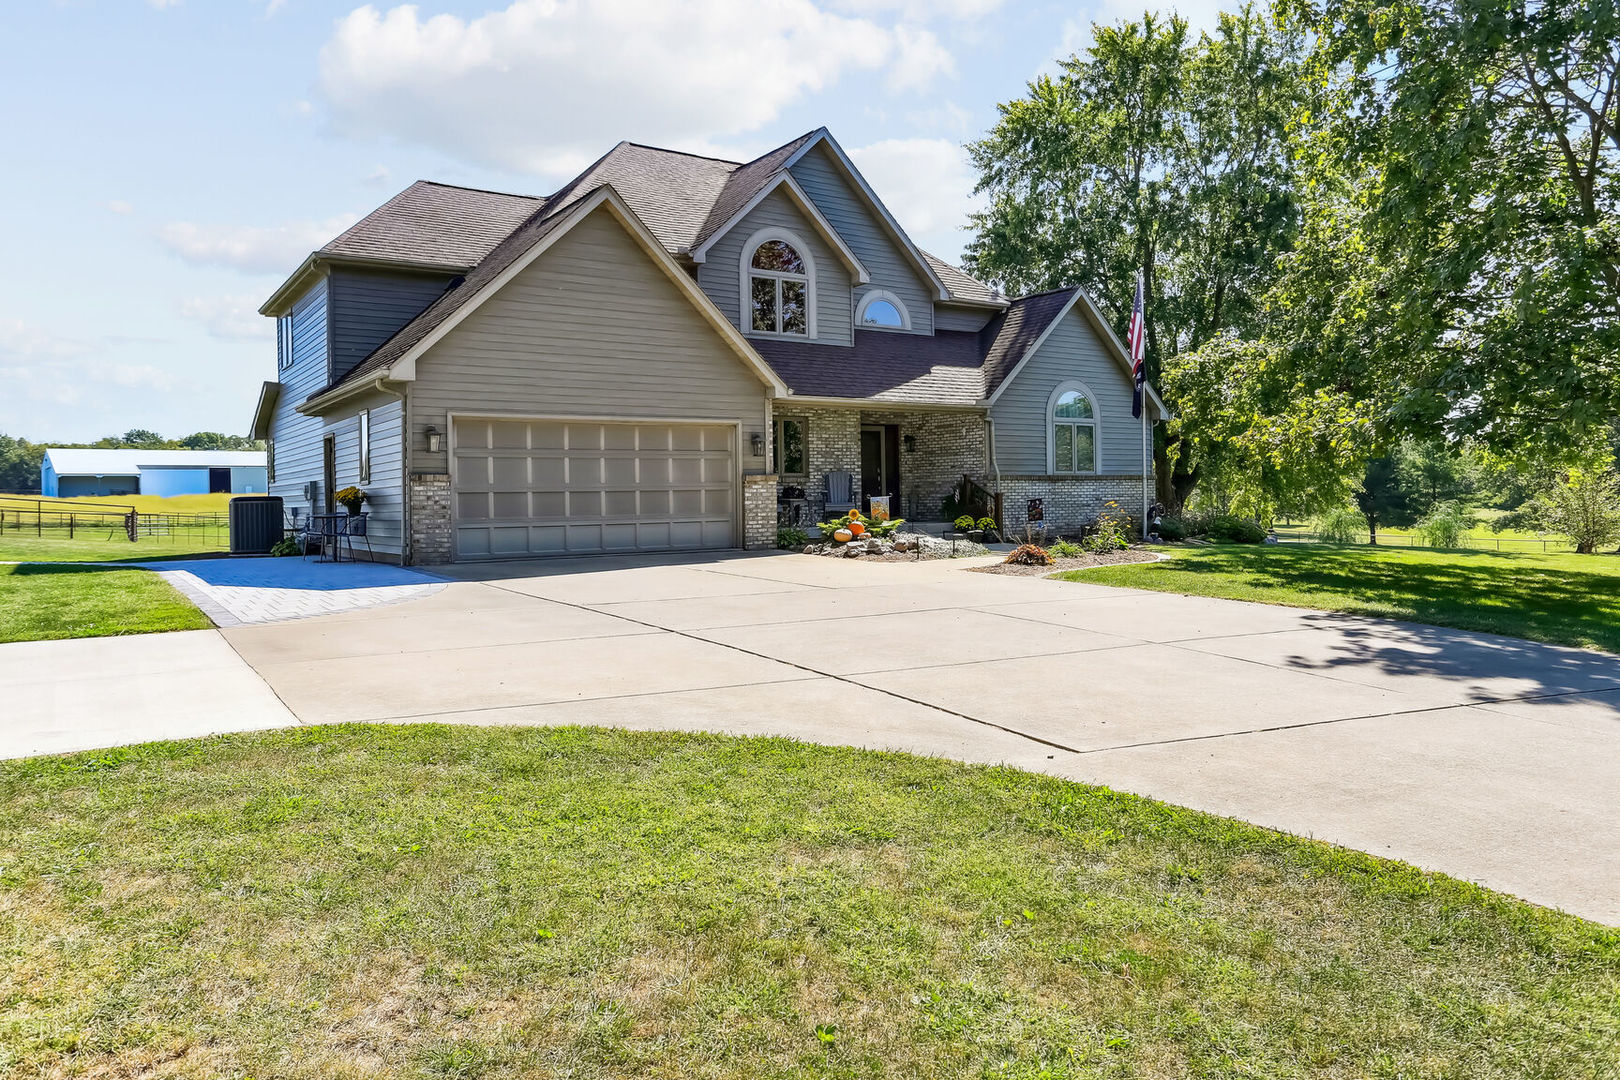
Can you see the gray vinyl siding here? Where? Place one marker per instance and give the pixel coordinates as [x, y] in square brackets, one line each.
[386, 487]
[297, 437]
[1073, 352]
[369, 306]
[720, 274]
[887, 263]
[592, 328]
[962, 318]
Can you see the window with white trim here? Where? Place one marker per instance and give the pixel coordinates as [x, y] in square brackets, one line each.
[1074, 432]
[779, 290]
[284, 343]
[365, 446]
[882, 310]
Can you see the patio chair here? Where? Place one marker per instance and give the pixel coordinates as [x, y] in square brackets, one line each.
[839, 497]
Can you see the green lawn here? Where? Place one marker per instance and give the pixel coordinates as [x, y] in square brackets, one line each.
[39, 601]
[1562, 598]
[494, 902]
[24, 547]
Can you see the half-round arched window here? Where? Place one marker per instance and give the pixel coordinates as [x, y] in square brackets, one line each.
[1072, 444]
[882, 310]
[778, 279]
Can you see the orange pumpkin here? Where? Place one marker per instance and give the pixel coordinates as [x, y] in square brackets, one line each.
[857, 528]
[843, 536]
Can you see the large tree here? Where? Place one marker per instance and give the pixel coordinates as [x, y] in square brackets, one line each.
[1157, 154]
[1460, 263]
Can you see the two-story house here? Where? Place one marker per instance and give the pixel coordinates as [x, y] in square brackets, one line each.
[647, 359]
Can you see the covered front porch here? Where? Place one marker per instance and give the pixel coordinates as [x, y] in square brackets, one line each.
[914, 456]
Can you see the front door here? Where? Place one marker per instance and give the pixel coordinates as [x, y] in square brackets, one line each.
[329, 473]
[880, 464]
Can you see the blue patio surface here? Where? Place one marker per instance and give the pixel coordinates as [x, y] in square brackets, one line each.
[287, 573]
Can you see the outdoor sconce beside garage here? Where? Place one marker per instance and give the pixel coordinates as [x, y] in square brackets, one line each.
[756, 441]
[434, 440]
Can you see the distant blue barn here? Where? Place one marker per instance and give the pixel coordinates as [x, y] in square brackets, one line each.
[70, 473]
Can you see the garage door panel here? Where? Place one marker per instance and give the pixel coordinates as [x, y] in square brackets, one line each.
[547, 487]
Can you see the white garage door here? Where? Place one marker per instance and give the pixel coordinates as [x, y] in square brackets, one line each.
[554, 487]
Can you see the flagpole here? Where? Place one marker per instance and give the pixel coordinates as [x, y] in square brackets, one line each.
[1146, 507]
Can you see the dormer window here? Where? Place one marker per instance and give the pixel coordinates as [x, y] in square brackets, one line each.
[880, 310]
[780, 286]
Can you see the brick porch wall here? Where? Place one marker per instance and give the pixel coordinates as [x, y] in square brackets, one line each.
[1071, 501]
[948, 444]
[759, 510]
[431, 540]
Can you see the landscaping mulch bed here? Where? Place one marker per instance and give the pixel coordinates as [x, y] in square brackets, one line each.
[1075, 562]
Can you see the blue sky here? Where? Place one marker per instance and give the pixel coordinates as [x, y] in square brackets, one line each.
[169, 162]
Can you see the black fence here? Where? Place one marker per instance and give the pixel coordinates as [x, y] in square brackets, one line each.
[66, 519]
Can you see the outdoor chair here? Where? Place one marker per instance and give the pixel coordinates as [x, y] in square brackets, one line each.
[840, 499]
[357, 527]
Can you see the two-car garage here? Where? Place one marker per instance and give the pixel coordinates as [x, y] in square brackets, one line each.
[549, 486]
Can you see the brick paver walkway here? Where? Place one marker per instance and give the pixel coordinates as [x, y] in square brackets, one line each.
[235, 592]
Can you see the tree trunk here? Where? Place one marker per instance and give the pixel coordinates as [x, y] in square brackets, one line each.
[1372, 530]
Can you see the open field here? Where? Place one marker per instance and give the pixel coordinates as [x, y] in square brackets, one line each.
[87, 530]
[1561, 598]
[147, 504]
[39, 602]
[1480, 537]
[463, 902]
[96, 547]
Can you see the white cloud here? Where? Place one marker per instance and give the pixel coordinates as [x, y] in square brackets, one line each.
[38, 367]
[258, 249]
[161, 4]
[546, 85]
[233, 318]
[927, 184]
[924, 10]
[919, 60]
[119, 206]
[379, 175]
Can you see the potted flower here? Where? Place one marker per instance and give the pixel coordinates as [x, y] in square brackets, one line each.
[986, 527]
[350, 498]
[963, 524]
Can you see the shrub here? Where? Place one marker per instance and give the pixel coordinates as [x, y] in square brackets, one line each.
[288, 545]
[1173, 528]
[791, 539]
[1584, 506]
[1341, 526]
[1066, 549]
[1446, 526]
[1029, 555]
[1111, 532]
[1235, 530]
[963, 524]
[985, 524]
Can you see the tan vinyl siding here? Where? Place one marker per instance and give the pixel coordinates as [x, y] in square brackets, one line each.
[592, 328]
[1073, 352]
[385, 488]
[886, 262]
[298, 437]
[720, 274]
[961, 318]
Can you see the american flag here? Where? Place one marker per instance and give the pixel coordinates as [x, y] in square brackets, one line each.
[1136, 339]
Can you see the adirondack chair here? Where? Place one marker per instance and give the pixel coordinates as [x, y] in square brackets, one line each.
[840, 500]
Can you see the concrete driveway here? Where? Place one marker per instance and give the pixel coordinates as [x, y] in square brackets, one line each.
[1491, 759]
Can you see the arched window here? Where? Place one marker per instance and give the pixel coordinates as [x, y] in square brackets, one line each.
[1072, 445]
[881, 310]
[778, 276]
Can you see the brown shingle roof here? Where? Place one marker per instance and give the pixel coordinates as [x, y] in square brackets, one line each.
[1008, 337]
[672, 193]
[435, 225]
[744, 183]
[944, 369]
[961, 285]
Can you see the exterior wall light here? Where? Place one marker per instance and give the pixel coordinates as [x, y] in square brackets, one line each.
[911, 443]
[434, 439]
[757, 442]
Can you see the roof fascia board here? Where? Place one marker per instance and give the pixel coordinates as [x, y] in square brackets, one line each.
[785, 179]
[891, 404]
[269, 394]
[823, 136]
[294, 287]
[404, 369]
[1007, 379]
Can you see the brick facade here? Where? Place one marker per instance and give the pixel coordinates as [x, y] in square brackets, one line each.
[945, 444]
[431, 535]
[759, 511]
[1070, 501]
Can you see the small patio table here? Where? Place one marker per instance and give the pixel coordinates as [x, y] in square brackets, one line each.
[334, 529]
